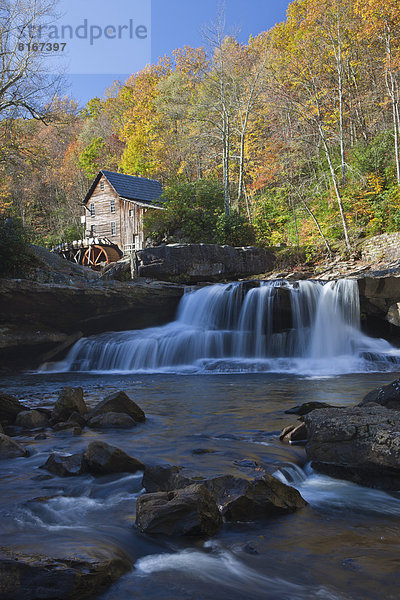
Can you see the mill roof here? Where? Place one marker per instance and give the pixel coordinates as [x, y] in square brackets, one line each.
[129, 186]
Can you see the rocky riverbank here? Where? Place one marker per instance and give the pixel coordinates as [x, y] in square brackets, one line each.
[360, 443]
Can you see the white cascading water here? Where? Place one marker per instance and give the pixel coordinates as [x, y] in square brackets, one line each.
[307, 327]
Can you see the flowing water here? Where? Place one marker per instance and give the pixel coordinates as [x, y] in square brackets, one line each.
[303, 328]
[250, 362]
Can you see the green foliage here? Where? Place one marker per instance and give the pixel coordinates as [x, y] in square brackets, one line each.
[234, 230]
[89, 158]
[74, 232]
[190, 213]
[375, 157]
[13, 247]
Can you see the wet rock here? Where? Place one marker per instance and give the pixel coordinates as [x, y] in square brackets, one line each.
[189, 511]
[203, 451]
[262, 498]
[361, 444]
[110, 420]
[34, 577]
[102, 459]
[164, 478]
[9, 448]
[119, 402]
[10, 407]
[31, 419]
[388, 396]
[65, 466]
[40, 436]
[307, 407]
[294, 433]
[70, 400]
[77, 419]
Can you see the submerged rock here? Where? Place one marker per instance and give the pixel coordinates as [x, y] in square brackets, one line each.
[31, 419]
[110, 420]
[388, 396]
[34, 577]
[70, 400]
[10, 407]
[189, 511]
[9, 448]
[119, 402]
[361, 444]
[102, 459]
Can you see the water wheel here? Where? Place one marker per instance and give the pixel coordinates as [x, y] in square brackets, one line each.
[97, 256]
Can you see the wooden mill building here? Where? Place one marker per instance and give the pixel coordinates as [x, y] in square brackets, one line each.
[115, 205]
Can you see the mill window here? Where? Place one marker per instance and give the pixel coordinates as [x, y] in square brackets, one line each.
[113, 228]
[112, 205]
[92, 210]
[102, 186]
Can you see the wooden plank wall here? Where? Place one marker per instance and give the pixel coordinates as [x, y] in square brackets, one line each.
[129, 229]
[103, 215]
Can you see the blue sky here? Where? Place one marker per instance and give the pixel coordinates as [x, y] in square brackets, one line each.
[117, 38]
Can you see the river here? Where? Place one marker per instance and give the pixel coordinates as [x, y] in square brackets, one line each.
[343, 545]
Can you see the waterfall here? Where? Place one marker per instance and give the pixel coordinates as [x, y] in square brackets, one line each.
[306, 327]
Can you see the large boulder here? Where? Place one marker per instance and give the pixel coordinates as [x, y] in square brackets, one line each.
[69, 401]
[262, 498]
[9, 408]
[112, 420]
[361, 444]
[119, 402]
[31, 419]
[164, 478]
[189, 511]
[102, 459]
[388, 396]
[65, 465]
[193, 263]
[34, 577]
[9, 448]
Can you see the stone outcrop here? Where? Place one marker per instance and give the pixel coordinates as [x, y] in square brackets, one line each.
[102, 459]
[30, 577]
[65, 465]
[262, 498]
[361, 444]
[119, 402]
[10, 407]
[192, 263]
[189, 511]
[239, 498]
[379, 305]
[112, 420]
[69, 401]
[383, 248]
[388, 396]
[40, 320]
[9, 448]
[31, 419]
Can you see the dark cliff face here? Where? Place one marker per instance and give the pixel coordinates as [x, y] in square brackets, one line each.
[36, 318]
[380, 308]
